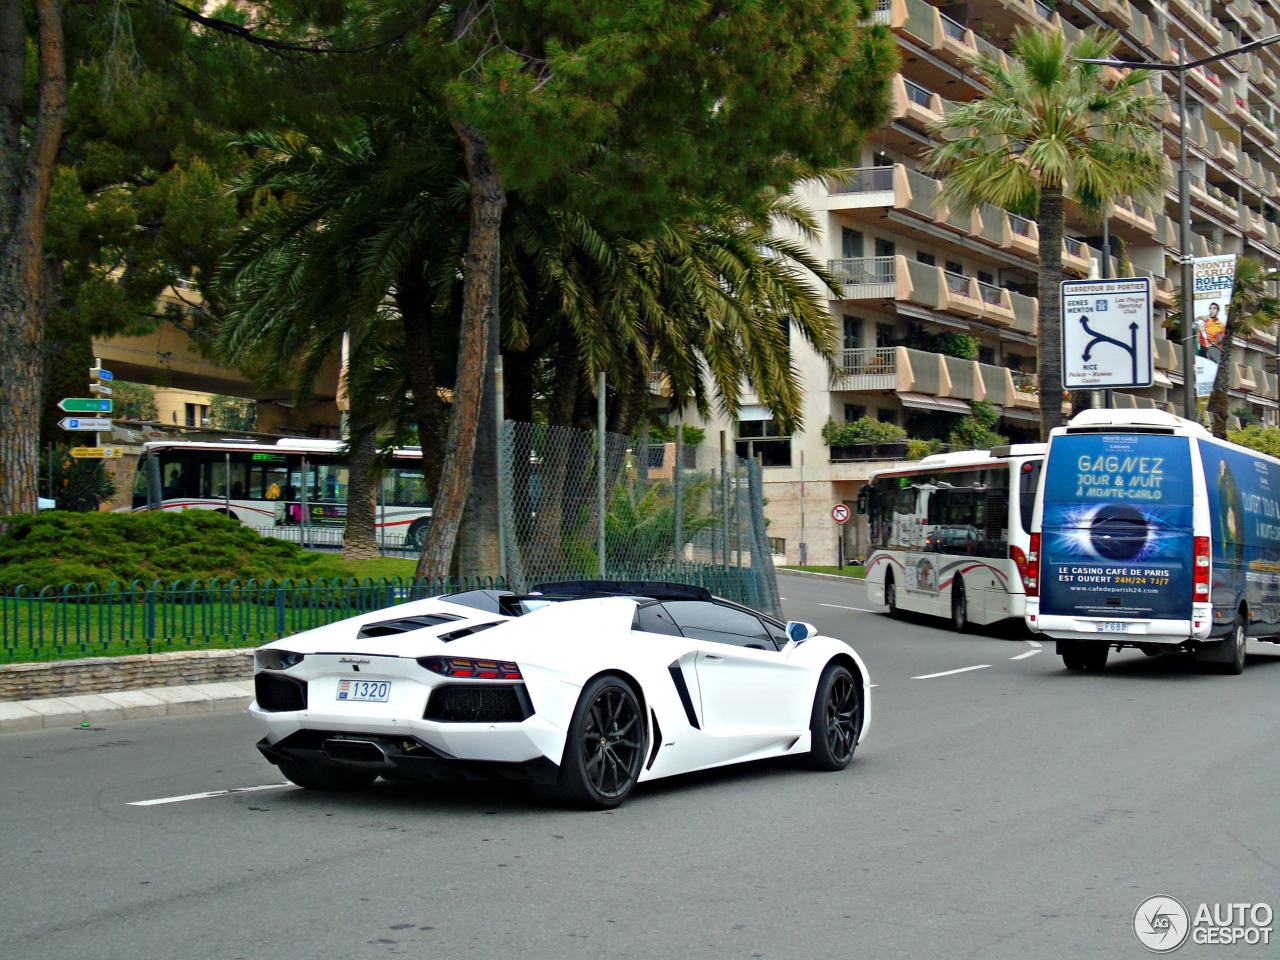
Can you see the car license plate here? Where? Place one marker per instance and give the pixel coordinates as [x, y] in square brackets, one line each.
[1114, 627]
[366, 691]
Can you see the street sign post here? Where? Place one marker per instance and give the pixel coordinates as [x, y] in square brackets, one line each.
[1106, 334]
[87, 424]
[84, 405]
[840, 514]
[97, 453]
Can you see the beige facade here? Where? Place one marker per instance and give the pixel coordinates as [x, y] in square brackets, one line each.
[912, 270]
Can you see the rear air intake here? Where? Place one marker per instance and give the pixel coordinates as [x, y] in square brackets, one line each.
[389, 628]
[279, 694]
[480, 703]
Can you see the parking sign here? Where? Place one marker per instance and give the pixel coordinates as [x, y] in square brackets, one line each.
[1106, 334]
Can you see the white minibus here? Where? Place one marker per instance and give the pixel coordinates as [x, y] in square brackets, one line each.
[1151, 533]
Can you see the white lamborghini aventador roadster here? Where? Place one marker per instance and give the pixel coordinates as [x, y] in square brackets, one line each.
[583, 688]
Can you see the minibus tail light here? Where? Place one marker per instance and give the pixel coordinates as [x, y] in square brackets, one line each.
[1031, 579]
[1202, 569]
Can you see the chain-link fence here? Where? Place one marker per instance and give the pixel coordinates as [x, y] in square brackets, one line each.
[700, 521]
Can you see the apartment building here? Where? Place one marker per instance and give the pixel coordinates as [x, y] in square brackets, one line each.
[914, 274]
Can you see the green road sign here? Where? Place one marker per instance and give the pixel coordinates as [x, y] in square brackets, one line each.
[84, 405]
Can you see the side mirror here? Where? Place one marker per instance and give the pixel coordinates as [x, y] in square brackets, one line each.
[798, 632]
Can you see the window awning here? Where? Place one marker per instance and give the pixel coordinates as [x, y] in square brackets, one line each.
[754, 411]
[923, 401]
[1019, 413]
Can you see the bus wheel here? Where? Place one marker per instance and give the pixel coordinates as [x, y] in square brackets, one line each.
[891, 595]
[1083, 656]
[1234, 666]
[1095, 655]
[1072, 654]
[417, 533]
[959, 606]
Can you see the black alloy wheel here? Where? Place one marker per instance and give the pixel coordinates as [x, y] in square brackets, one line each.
[959, 606]
[605, 749]
[836, 722]
[891, 595]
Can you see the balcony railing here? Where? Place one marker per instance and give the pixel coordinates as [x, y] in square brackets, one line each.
[883, 13]
[957, 283]
[1020, 225]
[953, 29]
[1074, 247]
[918, 94]
[865, 277]
[1045, 11]
[869, 368]
[991, 293]
[865, 180]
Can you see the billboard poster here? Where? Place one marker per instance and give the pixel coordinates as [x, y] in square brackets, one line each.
[1117, 535]
[1214, 279]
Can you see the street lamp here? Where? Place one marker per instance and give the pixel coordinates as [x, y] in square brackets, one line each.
[1190, 406]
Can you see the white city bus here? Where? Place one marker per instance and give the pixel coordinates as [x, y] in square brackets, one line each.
[950, 534]
[261, 485]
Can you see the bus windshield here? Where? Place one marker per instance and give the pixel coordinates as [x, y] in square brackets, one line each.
[1117, 526]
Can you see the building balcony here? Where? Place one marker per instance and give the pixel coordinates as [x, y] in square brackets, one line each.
[1118, 13]
[1166, 355]
[1253, 224]
[958, 294]
[1163, 293]
[1242, 379]
[1024, 235]
[913, 103]
[1248, 12]
[1075, 255]
[866, 278]
[872, 368]
[997, 304]
[869, 187]
[925, 23]
[1199, 17]
[1026, 314]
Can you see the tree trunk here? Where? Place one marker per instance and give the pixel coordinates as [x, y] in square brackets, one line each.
[479, 298]
[1050, 291]
[1218, 399]
[360, 536]
[419, 341]
[26, 179]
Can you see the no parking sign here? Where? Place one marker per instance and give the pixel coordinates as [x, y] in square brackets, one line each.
[840, 513]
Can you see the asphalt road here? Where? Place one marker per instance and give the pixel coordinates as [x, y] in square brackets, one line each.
[1014, 811]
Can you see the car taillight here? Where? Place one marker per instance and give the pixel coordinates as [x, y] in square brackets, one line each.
[476, 669]
[1020, 559]
[1031, 579]
[1202, 569]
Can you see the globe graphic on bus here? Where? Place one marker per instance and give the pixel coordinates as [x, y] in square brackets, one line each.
[1118, 532]
[1230, 513]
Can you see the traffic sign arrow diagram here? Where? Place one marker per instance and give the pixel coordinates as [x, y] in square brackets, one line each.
[90, 424]
[84, 405]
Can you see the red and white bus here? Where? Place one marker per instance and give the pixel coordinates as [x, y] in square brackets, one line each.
[950, 533]
[262, 486]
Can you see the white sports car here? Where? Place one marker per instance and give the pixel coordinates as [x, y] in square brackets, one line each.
[583, 688]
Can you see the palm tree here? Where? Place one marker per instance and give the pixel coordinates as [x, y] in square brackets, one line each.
[1252, 309]
[1051, 128]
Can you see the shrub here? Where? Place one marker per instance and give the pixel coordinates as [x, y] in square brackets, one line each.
[844, 433]
[974, 432]
[919, 449]
[1264, 439]
[54, 548]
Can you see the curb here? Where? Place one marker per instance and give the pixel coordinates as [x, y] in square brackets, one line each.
[819, 576]
[17, 716]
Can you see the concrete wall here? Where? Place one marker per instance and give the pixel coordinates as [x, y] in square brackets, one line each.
[62, 678]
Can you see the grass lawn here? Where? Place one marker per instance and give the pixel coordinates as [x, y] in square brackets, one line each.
[387, 567]
[856, 572]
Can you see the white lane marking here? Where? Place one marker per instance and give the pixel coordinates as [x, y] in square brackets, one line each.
[948, 673]
[208, 793]
[1035, 643]
[839, 606]
[1029, 653]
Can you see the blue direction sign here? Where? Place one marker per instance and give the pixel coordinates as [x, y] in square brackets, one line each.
[90, 424]
[84, 405]
[97, 373]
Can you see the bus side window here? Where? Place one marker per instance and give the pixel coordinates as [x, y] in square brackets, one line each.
[177, 479]
[1028, 482]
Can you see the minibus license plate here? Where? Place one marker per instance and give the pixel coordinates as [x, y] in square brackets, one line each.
[1115, 628]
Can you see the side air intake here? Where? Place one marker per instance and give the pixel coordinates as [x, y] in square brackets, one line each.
[279, 694]
[389, 628]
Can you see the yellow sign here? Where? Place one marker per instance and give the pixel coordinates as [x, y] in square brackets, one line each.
[97, 453]
[273, 492]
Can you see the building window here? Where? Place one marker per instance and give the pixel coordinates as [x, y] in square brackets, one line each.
[851, 243]
[928, 259]
[763, 439]
[984, 277]
[887, 415]
[886, 335]
[852, 333]
[987, 355]
[886, 248]
[954, 267]
[197, 414]
[854, 412]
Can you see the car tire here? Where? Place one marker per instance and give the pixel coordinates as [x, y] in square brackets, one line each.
[959, 606]
[891, 596]
[334, 779]
[835, 723]
[605, 749]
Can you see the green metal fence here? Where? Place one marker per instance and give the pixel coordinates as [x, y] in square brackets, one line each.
[139, 617]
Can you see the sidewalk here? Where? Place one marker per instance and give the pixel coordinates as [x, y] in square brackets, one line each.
[92, 708]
